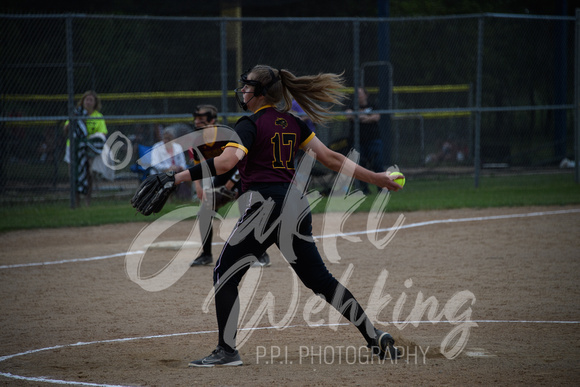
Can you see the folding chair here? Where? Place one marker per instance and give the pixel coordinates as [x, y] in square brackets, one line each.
[143, 166]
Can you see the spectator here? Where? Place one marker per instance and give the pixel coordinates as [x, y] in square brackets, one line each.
[167, 155]
[90, 132]
[371, 145]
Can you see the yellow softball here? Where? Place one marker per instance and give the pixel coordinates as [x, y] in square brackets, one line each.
[400, 180]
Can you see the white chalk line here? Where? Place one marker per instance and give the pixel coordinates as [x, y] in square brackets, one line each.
[405, 226]
[127, 339]
[474, 219]
[71, 260]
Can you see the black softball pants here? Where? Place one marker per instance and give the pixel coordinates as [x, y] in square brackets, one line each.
[245, 244]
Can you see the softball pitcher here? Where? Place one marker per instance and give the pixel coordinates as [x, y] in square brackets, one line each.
[276, 211]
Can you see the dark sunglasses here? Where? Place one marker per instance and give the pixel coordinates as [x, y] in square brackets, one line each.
[206, 114]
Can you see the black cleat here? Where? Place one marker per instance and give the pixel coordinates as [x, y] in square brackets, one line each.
[383, 346]
[264, 260]
[219, 357]
[203, 259]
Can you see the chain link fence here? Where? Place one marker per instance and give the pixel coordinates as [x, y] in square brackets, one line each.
[457, 94]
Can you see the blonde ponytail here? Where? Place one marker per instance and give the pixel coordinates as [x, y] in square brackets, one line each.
[308, 91]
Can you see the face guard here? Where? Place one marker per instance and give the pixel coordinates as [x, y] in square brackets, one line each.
[240, 98]
[259, 89]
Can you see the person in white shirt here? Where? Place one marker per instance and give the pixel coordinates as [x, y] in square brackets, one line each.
[167, 155]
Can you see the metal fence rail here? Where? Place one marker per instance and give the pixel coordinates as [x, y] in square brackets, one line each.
[456, 94]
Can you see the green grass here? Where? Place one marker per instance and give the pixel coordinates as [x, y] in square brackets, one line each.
[493, 191]
[419, 194]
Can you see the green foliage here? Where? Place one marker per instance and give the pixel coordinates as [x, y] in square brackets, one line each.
[418, 194]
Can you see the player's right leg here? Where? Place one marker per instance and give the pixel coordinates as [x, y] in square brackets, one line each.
[233, 262]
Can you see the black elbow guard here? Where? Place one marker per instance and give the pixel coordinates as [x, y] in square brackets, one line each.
[196, 171]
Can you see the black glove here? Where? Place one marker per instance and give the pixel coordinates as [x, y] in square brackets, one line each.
[153, 193]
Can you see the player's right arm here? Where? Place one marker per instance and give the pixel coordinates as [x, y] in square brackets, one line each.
[335, 161]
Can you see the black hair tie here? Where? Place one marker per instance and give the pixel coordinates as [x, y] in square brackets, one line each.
[273, 80]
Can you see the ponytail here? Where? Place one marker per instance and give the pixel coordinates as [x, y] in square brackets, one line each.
[307, 90]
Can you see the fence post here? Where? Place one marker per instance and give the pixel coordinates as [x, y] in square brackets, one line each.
[385, 94]
[356, 84]
[560, 82]
[71, 96]
[385, 83]
[477, 143]
[224, 70]
[356, 81]
[577, 99]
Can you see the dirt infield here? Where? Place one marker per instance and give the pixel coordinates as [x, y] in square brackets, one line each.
[496, 290]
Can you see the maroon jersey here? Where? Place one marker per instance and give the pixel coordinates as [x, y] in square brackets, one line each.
[270, 140]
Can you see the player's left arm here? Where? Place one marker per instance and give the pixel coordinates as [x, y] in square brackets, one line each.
[218, 165]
